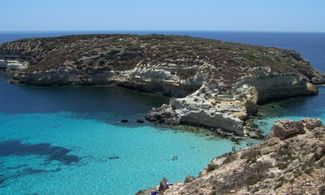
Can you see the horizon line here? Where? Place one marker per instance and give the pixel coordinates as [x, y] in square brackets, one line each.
[157, 31]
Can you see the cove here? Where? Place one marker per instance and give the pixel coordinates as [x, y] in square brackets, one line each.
[69, 140]
[110, 157]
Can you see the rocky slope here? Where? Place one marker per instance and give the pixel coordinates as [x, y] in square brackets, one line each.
[290, 161]
[214, 84]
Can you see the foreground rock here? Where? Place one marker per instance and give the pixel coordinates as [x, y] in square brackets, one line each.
[290, 161]
[214, 84]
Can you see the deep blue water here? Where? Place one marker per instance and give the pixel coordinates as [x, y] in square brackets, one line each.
[68, 140]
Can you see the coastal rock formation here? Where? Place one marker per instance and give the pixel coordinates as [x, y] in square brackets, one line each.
[290, 161]
[214, 84]
[13, 65]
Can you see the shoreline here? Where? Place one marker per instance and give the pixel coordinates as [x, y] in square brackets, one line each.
[255, 165]
[206, 131]
[212, 83]
[202, 131]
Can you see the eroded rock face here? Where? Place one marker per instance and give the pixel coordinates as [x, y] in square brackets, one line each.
[291, 162]
[312, 123]
[211, 108]
[214, 84]
[285, 129]
[318, 77]
[164, 114]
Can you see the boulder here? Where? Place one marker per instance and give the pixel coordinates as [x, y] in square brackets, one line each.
[312, 123]
[163, 186]
[285, 129]
[319, 152]
[321, 189]
[164, 114]
[189, 178]
[319, 77]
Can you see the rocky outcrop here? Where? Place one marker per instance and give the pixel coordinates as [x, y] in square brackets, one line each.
[3, 64]
[13, 65]
[290, 161]
[286, 129]
[213, 84]
[210, 108]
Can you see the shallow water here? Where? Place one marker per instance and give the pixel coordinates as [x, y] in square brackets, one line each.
[65, 153]
[69, 140]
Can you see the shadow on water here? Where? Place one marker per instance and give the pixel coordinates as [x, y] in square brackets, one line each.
[20, 173]
[17, 148]
[309, 106]
[102, 103]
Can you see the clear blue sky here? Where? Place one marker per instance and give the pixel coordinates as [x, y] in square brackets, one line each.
[220, 15]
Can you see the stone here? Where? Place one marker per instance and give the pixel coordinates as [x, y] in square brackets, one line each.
[253, 132]
[189, 179]
[163, 186]
[312, 123]
[286, 129]
[164, 114]
[321, 190]
[318, 77]
[320, 152]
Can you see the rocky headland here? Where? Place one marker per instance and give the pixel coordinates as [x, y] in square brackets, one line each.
[290, 161]
[212, 83]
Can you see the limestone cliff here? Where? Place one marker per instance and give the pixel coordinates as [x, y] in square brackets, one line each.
[290, 161]
[214, 84]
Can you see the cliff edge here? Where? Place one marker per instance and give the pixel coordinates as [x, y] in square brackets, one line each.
[290, 161]
[214, 84]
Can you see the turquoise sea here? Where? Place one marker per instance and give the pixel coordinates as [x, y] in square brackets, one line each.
[69, 140]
